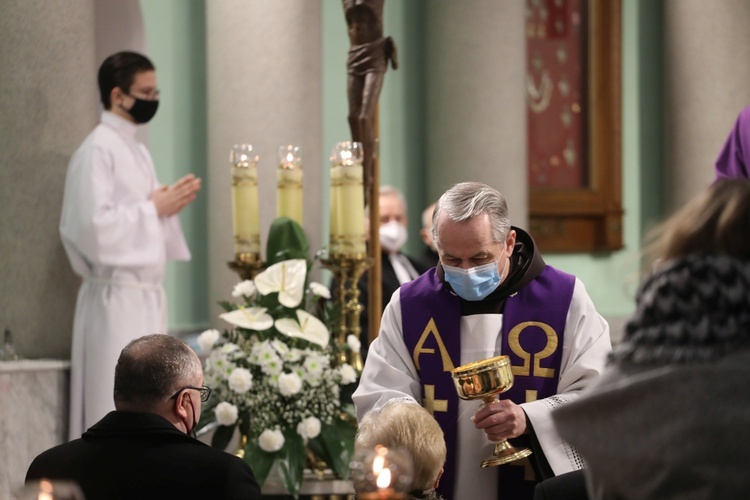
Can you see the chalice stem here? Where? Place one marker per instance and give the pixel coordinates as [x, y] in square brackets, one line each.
[505, 452]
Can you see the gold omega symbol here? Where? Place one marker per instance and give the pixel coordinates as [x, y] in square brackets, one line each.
[549, 349]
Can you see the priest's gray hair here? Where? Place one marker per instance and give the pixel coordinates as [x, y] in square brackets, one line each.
[151, 368]
[387, 190]
[470, 199]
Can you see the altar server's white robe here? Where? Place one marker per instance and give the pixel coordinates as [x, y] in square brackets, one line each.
[390, 373]
[118, 244]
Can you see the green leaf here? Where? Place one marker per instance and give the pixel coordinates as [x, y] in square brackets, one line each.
[259, 461]
[292, 462]
[286, 240]
[227, 306]
[337, 443]
[222, 436]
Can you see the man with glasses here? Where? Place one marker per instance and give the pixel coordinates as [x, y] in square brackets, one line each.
[145, 448]
[118, 227]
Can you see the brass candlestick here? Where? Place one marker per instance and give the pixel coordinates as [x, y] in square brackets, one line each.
[347, 270]
[247, 265]
[485, 379]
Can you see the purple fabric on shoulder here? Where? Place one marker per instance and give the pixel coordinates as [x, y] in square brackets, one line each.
[733, 159]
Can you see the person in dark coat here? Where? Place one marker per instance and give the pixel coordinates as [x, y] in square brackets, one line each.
[145, 448]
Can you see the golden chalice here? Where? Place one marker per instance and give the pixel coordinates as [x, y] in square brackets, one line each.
[486, 379]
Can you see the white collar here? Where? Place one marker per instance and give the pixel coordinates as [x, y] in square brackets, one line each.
[120, 124]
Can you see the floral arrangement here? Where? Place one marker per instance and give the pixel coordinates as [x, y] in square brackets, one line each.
[277, 373]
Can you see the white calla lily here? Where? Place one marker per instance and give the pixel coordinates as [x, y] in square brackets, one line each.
[307, 327]
[287, 278]
[252, 318]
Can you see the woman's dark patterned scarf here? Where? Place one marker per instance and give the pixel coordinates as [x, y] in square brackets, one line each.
[692, 309]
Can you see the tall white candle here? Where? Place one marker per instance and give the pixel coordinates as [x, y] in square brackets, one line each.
[349, 201]
[245, 199]
[289, 184]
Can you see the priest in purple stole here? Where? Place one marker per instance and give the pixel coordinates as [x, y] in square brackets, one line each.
[491, 294]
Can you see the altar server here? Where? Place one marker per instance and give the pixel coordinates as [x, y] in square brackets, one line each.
[118, 226]
[491, 294]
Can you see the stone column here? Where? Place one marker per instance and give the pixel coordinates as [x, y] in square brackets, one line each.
[264, 74]
[48, 101]
[476, 99]
[707, 46]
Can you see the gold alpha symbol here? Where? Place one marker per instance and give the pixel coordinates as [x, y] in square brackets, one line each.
[419, 349]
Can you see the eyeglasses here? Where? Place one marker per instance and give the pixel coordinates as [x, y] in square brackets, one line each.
[147, 96]
[204, 390]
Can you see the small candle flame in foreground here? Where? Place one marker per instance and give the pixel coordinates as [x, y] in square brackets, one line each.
[384, 479]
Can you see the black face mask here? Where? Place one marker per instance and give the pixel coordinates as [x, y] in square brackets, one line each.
[142, 111]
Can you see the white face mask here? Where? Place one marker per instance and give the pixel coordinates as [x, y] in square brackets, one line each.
[392, 236]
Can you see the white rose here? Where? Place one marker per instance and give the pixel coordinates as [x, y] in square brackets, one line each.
[207, 339]
[348, 374]
[289, 384]
[226, 413]
[320, 290]
[240, 380]
[309, 428]
[271, 440]
[244, 289]
[354, 343]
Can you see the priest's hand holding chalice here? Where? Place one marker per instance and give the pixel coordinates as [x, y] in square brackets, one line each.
[485, 379]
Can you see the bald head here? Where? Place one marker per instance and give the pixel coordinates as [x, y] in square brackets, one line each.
[151, 368]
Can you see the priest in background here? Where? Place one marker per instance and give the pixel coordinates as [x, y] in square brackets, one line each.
[429, 257]
[118, 226]
[397, 268]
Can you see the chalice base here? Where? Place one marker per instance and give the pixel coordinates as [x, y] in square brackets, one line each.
[505, 453]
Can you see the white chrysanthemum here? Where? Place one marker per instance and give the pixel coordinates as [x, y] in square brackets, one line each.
[258, 350]
[207, 339]
[353, 342]
[314, 380]
[226, 413]
[289, 384]
[271, 440]
[268, 359]
[320, 290]
[240, 381]
[219, 363]
[244, 289]
[229, 348]
[280, 347]
[309, 428]
[348, 374]
[293, 355]
[316, 363]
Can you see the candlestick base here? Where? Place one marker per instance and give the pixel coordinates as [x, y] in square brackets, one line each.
[347, 270]
[247, 265]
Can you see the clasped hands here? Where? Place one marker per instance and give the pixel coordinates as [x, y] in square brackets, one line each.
[501, 420]
[170, 200]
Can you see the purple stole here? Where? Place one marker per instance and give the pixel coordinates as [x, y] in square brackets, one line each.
[532, 336]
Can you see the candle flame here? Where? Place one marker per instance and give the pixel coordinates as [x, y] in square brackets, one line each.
[290, 157]
[377, 464]
[384, 479]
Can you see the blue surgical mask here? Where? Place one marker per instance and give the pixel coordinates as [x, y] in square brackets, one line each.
[474, 283]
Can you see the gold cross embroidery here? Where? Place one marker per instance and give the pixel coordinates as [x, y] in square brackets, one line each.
[429, 402]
